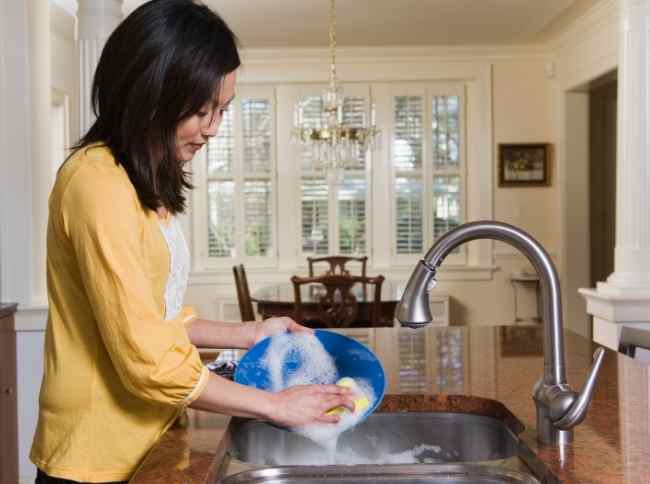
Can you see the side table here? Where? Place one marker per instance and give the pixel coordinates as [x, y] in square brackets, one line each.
[527, 280]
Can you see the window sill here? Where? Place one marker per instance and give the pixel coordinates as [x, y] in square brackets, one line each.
[261, 276]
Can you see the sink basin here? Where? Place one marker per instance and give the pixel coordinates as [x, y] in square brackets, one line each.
[384, 438]
[400, 474]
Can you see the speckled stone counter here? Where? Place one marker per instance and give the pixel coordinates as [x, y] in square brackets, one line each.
[484, 370]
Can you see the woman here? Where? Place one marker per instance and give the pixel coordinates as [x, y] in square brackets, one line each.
[120, 352]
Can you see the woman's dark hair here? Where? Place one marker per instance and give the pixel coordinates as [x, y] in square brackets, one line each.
[161, 65]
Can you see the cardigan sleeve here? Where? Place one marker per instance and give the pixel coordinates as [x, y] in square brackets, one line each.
[154, 358]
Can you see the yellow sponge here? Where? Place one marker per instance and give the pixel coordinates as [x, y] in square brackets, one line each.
[360, 400]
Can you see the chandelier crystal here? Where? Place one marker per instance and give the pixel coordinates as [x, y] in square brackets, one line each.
[336, 146]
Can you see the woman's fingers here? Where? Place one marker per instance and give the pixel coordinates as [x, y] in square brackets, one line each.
[295, 327]
[333, 401]
[337, 396]
[334, 389]
[330, 419]
[302, 405]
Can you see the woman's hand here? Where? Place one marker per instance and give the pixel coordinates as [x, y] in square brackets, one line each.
[271, 326]
[302, 405]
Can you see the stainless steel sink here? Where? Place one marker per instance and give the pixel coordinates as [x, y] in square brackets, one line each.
[400, 474]
[384, 438]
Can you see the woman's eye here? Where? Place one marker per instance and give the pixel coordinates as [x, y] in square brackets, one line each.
[202, 113]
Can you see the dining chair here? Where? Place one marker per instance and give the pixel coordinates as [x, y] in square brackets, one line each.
[243, 294]
[337, 264]
[336, 304]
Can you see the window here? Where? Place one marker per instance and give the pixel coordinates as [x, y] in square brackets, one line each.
[426, 156]
[240, 183]
[266, 204]
[334, 211]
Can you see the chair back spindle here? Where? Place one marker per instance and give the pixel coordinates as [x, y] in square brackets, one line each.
[336, 304]
[243, 293]
[337, 264]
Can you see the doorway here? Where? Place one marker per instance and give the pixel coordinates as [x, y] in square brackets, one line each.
[602, 177]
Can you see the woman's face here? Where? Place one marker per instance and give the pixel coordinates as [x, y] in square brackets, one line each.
[193, 132]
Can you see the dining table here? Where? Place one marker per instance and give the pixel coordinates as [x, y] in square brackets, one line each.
[278, 300]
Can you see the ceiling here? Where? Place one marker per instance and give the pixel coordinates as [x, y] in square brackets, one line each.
[303, 23]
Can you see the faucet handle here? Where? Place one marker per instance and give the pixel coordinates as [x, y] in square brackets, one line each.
[578, 409]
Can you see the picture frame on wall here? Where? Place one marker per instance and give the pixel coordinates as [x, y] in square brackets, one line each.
[523, 164]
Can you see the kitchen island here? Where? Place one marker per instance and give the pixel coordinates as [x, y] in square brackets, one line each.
[482, 370]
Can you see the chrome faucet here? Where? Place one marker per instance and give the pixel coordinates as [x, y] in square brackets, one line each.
[559, 408]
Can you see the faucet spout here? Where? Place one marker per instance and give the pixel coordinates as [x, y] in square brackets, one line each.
[553, 397]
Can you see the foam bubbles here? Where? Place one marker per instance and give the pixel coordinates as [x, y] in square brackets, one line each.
[420, 454]
[293, 351]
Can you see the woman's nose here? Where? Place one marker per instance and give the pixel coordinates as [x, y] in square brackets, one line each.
[213, 128]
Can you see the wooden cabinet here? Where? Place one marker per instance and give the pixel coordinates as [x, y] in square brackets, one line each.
[8, 397]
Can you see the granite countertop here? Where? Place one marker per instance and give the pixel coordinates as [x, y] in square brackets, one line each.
[7, 309]
[471, 369]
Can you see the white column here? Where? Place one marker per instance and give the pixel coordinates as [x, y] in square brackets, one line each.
[97, 19]
[632, 255]
[624, 299]
[41, 104]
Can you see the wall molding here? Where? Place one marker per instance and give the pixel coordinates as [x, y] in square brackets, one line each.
[31, 318]
[427, 53]
[617, 309]
[588, 48]
[584, 26]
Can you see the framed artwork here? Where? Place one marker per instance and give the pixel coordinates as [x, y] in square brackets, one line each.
[523, 165]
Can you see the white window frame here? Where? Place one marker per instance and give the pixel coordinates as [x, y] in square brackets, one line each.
[386, 94]
[284, 68]
[201, 181]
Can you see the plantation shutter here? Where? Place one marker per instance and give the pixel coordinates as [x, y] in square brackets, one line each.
[427, 159]
[407, 149]
[240, 170]
[334, 212]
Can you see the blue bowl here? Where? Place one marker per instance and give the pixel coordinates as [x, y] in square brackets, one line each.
[351, 358]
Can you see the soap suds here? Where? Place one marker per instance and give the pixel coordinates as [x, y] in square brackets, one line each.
[292, 351]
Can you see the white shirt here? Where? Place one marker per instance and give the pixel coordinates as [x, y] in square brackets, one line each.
[179, 267]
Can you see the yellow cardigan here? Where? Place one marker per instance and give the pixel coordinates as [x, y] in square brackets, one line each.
[116, 374]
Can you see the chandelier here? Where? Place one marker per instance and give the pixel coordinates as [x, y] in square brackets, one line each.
[335, 146]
